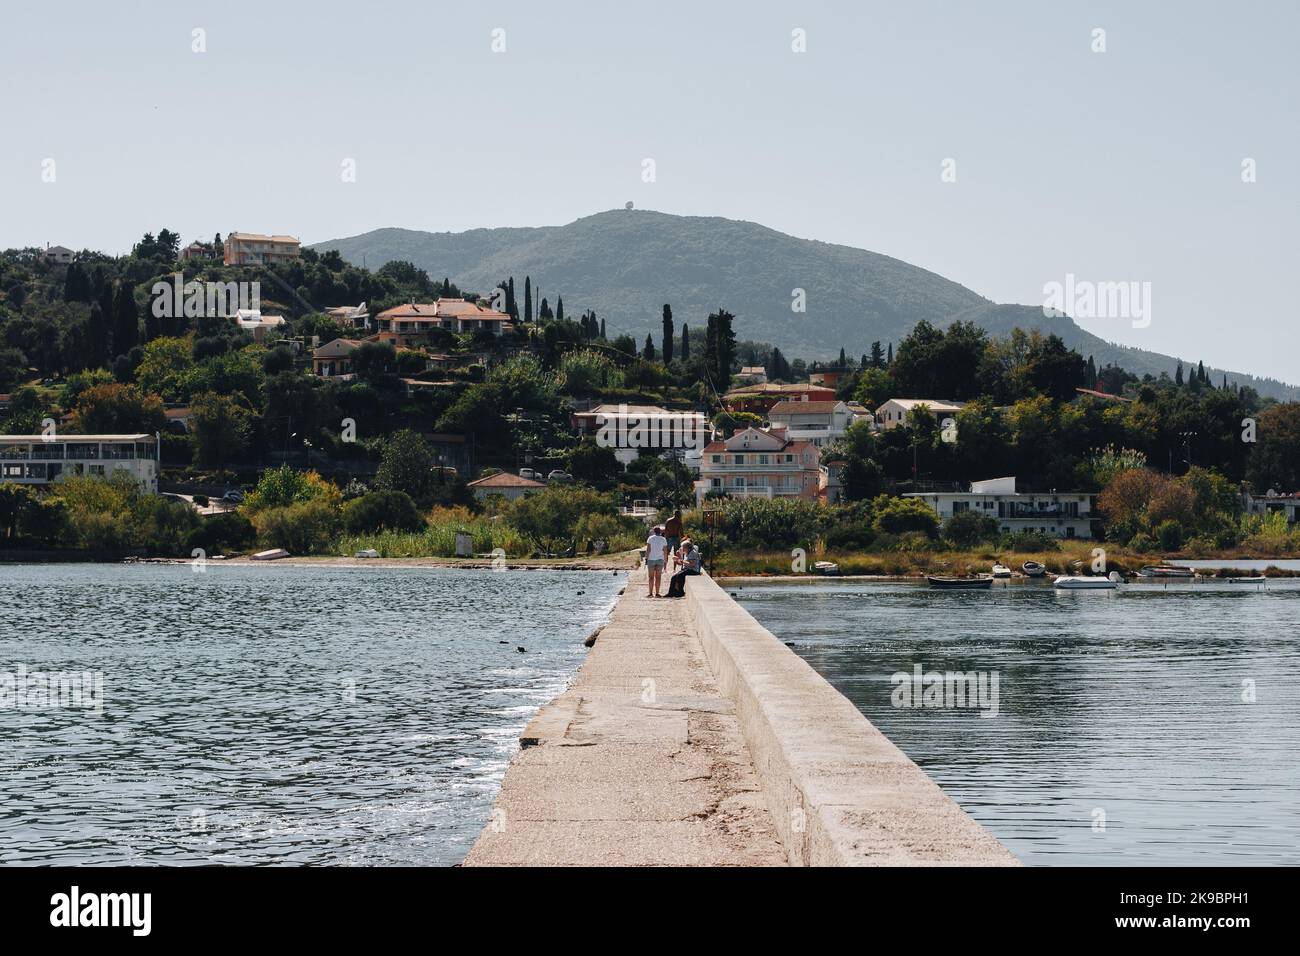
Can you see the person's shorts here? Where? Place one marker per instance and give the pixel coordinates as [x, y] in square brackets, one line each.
[654, 564]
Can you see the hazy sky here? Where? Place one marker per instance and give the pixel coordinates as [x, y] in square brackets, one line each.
[1117, 166]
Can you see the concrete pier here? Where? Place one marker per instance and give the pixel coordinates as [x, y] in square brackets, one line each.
[692, 736]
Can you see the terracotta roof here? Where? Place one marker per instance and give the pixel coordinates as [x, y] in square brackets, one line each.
[258, 237]
[336, 347]
[1107, 395]
[772, 388]
[503, 479]
[444, 308]
[803, 408]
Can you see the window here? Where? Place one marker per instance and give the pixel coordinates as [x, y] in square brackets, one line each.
[717, 459]
[763, 459]
[740, 459]
[715, 482]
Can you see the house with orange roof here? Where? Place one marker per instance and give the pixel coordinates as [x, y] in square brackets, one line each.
[409, 325]
[505, 484]
[760, 463]
[255, 249]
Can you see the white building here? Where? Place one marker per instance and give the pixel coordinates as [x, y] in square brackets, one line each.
[1272, 502]
[60, 254]
[894, 412]
[1067, 515]
[817, 422]
[36, 460]
[630, 428]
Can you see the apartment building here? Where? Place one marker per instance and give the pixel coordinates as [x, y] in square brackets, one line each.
[764, 463]
[817, 422]
[1066, 515]
[38, 460]
[253, 249]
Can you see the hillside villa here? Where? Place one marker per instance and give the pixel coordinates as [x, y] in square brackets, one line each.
[894, 412]
[629, 428]
[253, 249]
[334, 359]
[409, 325]
[817, 422]
[39, 460]
[762, 463]
[1067, 515]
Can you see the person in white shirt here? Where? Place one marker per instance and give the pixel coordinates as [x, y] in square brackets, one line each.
[656, 554]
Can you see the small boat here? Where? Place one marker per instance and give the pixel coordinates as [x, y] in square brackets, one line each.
[826, 567]
[270, 555]
[1166, 571]
[1256, 580]
[1001, 571]
[1078, 582]
[959, 584]
[1033, 569]
[367, 553]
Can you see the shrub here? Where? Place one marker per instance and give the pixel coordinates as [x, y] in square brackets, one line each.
[850, 537]
[305, 528]
[897, 515]
[1029, 541]
[284, 486]
[381, 511]
[967, 528]
[202, 501]
[1170, 535]
[222, 533]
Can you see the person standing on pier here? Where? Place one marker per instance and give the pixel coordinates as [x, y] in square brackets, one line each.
[656, 554]
[673, 530]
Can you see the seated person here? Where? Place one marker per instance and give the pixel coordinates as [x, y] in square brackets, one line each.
[687, 562]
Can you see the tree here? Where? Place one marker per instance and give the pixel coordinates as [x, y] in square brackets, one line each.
[126, 322]
[1275, 458]
[686, 342]
[552, 516]
[899, 515]
[117, 410]
[528, 299]
[382, 510]
[648, 353]
[407, 464]
[220, 428]
[719, 348]
[877, 355]
[559, 308]
[18, 506]
[968, 528]
[100, 335]
[667, 337]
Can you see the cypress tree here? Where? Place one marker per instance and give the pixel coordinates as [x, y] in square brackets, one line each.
[686, 342]
[126, 324]
[649, 352]
[98, 333]
[877, 355]
[559, 308]
[1178, 374]
[889, 360]
[602, 328]
[528, 299]
[844, 362]
[668, 334]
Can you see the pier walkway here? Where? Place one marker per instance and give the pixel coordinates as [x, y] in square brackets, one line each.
[692, 736]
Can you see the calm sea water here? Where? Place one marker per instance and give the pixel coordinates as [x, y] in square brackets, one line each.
[277, 714]
[1121, 735]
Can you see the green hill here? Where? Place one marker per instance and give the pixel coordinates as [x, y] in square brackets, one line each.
[625, 264]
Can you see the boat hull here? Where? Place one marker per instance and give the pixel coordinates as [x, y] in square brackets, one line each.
[959, 584]
[1084, 584]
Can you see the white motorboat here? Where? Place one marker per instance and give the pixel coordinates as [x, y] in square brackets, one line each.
[1078, 582]
[1033, 569]
[1001, 571]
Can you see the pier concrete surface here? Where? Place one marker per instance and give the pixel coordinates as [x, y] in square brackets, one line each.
[692, 736]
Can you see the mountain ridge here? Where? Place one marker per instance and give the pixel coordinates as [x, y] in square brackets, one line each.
[625, 264]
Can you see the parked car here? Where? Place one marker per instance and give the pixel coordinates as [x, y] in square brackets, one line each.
[558, 475]
[233, 495]
[529, 473]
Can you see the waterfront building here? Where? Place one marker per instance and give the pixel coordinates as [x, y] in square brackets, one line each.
[894, 412]
[1273, 502]
[39, 460]
[254, 249]
[1066, 515]
[762, 463]
[817, 422]
[508, 486]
